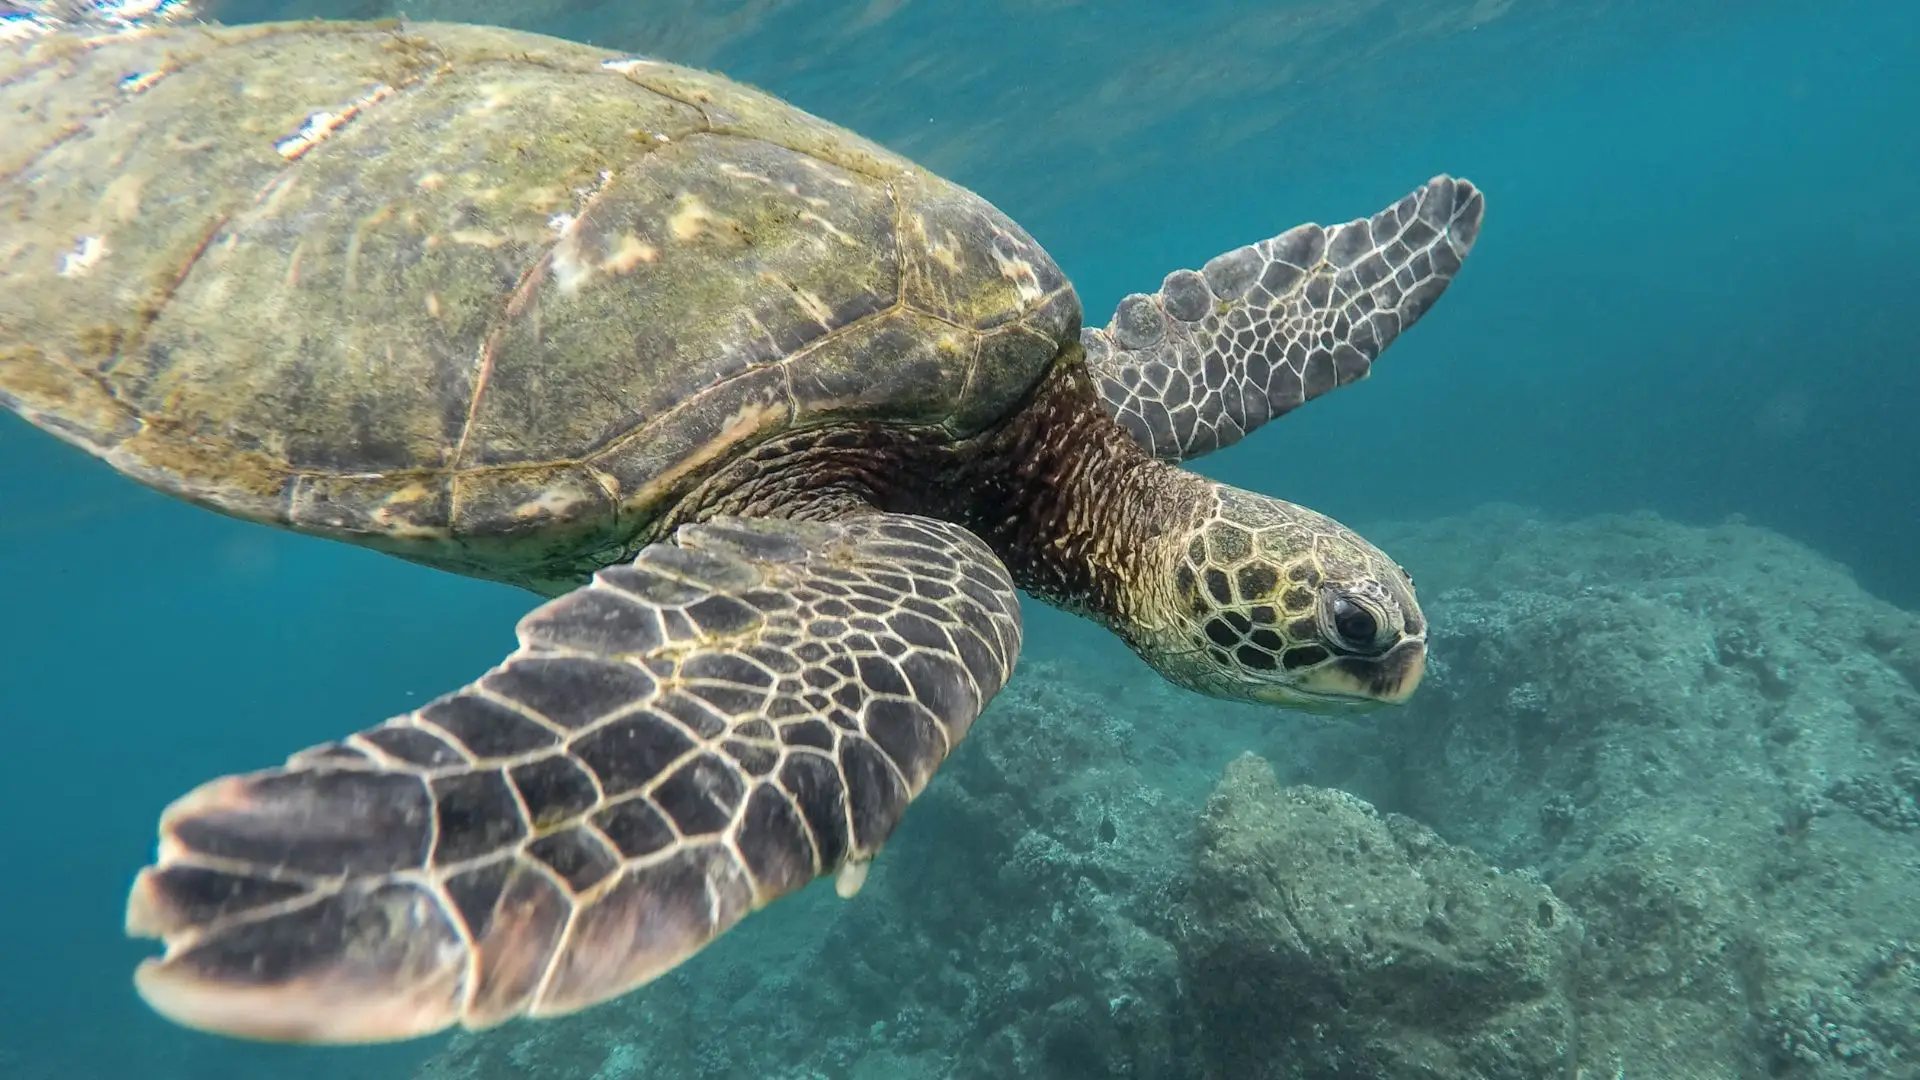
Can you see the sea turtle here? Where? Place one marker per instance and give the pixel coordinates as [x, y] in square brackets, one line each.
[776, 421]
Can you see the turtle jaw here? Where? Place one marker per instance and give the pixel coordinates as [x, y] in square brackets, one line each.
[1354, 684]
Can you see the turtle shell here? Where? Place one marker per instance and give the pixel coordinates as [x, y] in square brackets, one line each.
[485, 299]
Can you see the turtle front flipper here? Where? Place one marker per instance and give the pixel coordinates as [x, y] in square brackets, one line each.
[675, 744]
[1266, 327]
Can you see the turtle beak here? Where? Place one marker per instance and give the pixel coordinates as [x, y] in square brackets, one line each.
[1397, 674]
[1354, 683]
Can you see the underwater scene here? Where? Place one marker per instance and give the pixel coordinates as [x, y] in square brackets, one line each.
[1420, 496]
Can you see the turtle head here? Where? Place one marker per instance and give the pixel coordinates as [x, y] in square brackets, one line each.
[1265, 601]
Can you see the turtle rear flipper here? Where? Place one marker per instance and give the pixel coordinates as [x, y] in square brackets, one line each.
[1264, 328]
[675, 744]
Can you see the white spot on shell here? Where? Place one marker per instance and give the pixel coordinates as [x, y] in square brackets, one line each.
[945, 255]
[496, 96]
[321, 125]
[86, 254]
[630, 253]
[689, 219]
[559, 504]
[570, 271]
[1026, 282]
[571, 268]
[142, 81]
[564, 222]
[625, 64]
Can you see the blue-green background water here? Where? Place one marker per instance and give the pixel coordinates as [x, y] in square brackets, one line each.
[1694, 293]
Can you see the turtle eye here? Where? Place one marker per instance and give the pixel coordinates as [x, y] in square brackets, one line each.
[1357, 627]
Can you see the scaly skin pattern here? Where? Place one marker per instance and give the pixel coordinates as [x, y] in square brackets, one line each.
[1263, 583]
[1224, 591]
[680, 742]
[1269, 326]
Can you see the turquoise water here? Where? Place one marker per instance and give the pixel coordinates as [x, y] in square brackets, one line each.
[1692, 296]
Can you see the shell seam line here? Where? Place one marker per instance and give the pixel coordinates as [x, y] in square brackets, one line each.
[522, 295]
[155, 307]
[151, 310]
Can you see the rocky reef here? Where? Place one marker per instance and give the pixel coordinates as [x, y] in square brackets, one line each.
[1653, 815]
[1705, 740]
[1324, 940]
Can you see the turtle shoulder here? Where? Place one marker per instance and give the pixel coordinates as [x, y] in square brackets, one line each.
[478, 296]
